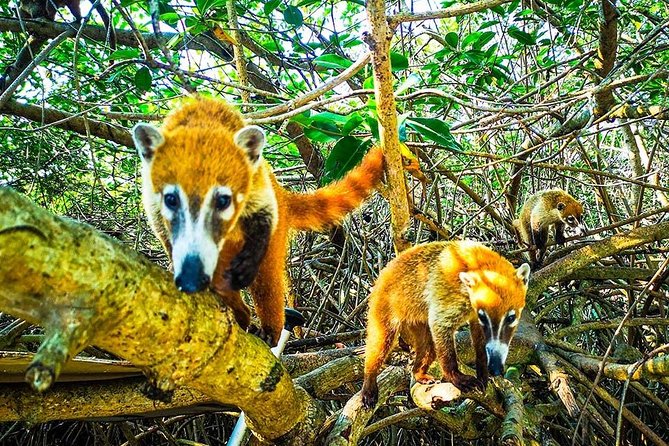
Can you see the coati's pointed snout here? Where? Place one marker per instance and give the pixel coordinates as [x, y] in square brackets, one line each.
[496, 352]
[192, 277]
[495, 366]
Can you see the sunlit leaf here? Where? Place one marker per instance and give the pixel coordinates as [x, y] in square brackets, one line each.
[332, 61]
[124, 54]
[398, 61]
[435, 130]
[521, 36]
[345, 155]
[205, 5]
[270, 6]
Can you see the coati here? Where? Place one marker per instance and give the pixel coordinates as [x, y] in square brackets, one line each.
[427, 293]
[46, 9]
[221, 214]
[553, 207]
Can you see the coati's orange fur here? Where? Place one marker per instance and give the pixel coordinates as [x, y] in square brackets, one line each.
[427, 293]
[543, 210]
[205, 144]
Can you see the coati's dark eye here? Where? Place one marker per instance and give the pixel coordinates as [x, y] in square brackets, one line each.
[171, 201]
[571, 219]
[483, 319]
[510, 319]
[222, 202]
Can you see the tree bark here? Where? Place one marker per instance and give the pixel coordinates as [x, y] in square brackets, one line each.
[84, 288]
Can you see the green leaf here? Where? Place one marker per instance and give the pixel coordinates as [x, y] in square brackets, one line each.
[143, 79]
[452, 40]
[368, 84]
[345, 155]
[171, 18]
[483, 39]
[293, 16]
[373, 126]
[329, 118]
[124, 54]
[205, 5]
[521, 36]
[353, 122]
[435, 130]
[398, 61]
[270, 6]
[332, 61]
[317, 135]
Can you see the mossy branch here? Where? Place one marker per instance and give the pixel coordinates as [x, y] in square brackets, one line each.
[84, 287]
[587, 255]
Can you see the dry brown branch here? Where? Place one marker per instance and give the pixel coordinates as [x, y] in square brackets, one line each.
[240, 61]
[67, 121]
[606, 54]
[50, 30]
[453, 11]
[313, 94]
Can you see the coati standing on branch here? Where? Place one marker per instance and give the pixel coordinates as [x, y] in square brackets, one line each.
[553, 207]
[427, 293]
[46, 9]
[220, 213]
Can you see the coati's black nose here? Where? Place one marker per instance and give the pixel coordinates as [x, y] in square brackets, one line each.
[495, 365]
[192, 278]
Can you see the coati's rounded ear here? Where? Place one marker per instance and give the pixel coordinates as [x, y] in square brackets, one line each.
[469, 280]
[252, 139]
[561, 206]
[523, 273]
[147, 138]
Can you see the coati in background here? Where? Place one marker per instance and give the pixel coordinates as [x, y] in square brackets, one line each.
[542, 210]
[427, 293]
[220, 213]
[46, 9]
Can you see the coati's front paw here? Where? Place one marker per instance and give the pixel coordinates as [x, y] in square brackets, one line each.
[265, 334]
[241, 273]
[482, 383]
[466, 383]
[424, 378]
[370, 394]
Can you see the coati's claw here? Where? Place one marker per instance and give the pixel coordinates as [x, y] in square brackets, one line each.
[370, 395]
[426, 379]
[465, 383]
[241, 273]
[437, 402]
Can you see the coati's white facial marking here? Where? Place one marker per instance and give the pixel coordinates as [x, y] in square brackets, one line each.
[191, 235]
[498, 334]
[240, 197]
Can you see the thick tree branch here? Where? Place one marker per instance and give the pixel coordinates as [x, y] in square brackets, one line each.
[566, 266]
[84, 288]
[69, 121]
[378, 42]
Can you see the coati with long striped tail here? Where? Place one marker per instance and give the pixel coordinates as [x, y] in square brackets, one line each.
[543, 210]
[220, 213]
[427, 293]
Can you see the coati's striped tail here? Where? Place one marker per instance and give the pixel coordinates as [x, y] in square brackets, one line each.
[329, 205]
